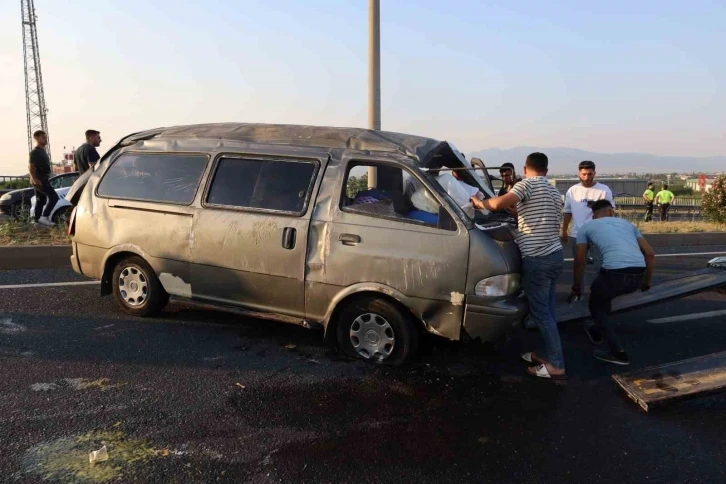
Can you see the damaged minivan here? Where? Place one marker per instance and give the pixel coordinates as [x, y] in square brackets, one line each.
[279, 221]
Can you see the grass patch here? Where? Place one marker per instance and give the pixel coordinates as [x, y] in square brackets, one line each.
[25, 233]
[679, 227]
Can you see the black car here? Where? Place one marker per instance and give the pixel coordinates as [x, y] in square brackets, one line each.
[17, 203]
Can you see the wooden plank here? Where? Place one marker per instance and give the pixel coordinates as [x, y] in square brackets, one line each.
[675, 381]
[691, 283]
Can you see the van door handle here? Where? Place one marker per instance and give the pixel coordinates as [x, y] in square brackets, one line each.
[288, 238]
[349, 239]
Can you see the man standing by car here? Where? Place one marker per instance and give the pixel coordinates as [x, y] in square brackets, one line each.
[506, 171]
[539, 206]
[578, 200]
[665, 198]
[86, 155]
[649, 197]
[627, 265]
[39, 169]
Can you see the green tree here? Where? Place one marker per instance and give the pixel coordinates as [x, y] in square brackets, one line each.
[356, 184]
[713, 203]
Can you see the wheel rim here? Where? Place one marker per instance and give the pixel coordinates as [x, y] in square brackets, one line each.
[63, 217]
[372, 336]
[133, 286]
[20, 212]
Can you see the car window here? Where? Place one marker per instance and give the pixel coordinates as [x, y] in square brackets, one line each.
[167, 178]
[70, 180]
[67, 181]
[56, 182]
[398, 195]
[279, 185]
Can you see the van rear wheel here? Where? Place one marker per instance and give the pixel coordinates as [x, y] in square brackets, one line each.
[376, 330]
[137, 289]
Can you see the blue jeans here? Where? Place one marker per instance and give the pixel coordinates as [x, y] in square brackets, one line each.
[539, 281]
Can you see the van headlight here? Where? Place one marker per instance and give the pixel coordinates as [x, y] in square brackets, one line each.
[503, 285]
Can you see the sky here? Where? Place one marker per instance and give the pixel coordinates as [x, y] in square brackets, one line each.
[618, 76]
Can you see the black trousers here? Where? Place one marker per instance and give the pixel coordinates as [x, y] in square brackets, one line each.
[45, 200]
[649, 212]
[664, 211]
[608, 285]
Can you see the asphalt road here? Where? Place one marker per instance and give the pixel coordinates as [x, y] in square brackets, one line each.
[205, 396]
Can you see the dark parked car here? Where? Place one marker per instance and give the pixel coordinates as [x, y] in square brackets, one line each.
[17, 203]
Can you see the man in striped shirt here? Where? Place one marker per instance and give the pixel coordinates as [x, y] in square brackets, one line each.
[539, 206]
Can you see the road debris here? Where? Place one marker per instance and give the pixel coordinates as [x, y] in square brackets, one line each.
[240, 385]
[99, 455]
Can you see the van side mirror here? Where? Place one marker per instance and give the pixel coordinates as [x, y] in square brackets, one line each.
[446, 222]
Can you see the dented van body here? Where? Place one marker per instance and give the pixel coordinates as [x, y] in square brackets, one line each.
[263, 218]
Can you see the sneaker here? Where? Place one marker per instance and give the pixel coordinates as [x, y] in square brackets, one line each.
[592, 332]
[45, 221]
[619, 358]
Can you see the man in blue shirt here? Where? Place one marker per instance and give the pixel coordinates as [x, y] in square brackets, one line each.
[627, 265]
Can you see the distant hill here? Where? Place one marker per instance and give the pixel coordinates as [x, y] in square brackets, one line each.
[565, 160]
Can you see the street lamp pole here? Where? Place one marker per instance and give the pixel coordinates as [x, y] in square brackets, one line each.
[374, 75]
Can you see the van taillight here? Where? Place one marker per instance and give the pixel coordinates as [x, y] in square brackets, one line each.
[72, 223]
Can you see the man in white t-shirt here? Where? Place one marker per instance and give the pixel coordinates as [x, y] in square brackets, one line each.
[578, 201]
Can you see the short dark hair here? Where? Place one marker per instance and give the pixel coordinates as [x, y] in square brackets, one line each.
[601, 204]
[91, 132]
[506, 166]
[38, 134]
[651, 184]
[665, 186]
[538, 162]
[586, 165]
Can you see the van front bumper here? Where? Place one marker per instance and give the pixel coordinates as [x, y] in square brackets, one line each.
[491, 318]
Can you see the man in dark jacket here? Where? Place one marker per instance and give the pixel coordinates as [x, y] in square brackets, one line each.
[86, 155]
[39, 169]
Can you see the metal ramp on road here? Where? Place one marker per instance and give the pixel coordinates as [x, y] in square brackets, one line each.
[675, 381]
[686, 285]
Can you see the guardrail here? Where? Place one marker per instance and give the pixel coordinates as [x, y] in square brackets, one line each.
[678, 201]
[7, 178]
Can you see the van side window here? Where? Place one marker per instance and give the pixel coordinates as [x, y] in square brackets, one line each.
[279, 185]
[166, 178]
[398, 195]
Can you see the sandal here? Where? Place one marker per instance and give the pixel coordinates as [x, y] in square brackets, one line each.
[541, 371]
[532, 358]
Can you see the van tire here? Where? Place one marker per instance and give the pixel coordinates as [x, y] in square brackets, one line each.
[385, 319]
[146, 286]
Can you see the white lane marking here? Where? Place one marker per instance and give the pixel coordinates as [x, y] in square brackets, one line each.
[670, 255]
[50, 284]
[8, 327]
[692, 253]
[688, 317]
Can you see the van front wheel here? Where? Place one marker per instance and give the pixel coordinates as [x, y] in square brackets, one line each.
[137, 289]
[376, 330]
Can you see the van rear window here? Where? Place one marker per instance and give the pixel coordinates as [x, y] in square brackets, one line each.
[279, 185]
[167, 178]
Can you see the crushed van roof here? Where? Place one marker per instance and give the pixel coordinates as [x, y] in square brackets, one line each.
[301, 135]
